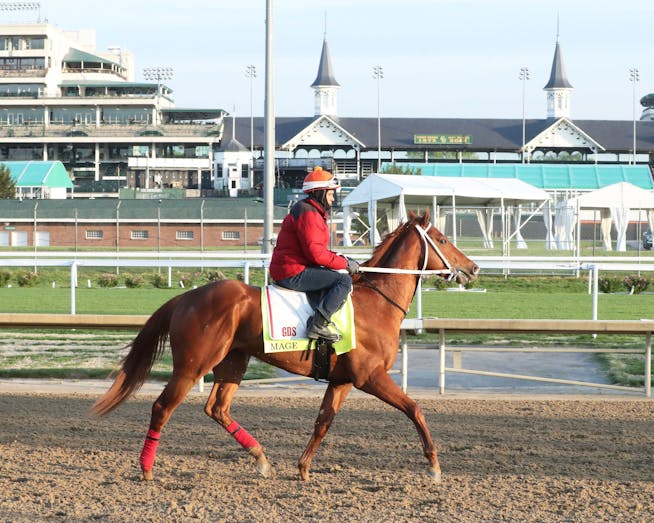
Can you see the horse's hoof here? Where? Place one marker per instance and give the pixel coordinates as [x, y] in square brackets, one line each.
[304, 474]
[264, 468]
[147, 475]
[435, 475]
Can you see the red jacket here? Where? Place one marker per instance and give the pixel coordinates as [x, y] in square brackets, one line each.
[302, 242]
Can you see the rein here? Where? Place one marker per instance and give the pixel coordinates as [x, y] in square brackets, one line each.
[427, 241]
[390, 300]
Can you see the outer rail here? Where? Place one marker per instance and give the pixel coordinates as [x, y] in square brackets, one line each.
[440, 325]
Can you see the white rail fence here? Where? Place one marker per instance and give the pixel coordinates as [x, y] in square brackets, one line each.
[247, 262]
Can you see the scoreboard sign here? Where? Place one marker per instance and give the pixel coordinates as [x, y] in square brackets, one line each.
[442, 139]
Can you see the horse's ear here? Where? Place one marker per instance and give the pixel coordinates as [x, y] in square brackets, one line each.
[426, 216]
[412, 215]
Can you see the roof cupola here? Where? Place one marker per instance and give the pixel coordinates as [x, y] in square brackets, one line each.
[558, 88]
[325, 85]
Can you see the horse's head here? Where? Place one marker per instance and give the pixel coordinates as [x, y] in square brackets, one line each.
[438, 253]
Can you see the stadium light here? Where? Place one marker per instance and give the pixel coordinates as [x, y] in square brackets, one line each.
[634, 78]
[251, 73]
[158, 74]
[378, 74]
[524, 76]
[22, 6]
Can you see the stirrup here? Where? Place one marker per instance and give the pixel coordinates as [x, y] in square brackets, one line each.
[316, 333]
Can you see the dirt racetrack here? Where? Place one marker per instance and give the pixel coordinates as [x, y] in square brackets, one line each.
[507, 459]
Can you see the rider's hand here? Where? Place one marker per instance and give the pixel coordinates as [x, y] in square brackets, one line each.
[352, 266]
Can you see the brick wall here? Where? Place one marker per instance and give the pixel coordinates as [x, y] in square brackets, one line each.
[137, 236]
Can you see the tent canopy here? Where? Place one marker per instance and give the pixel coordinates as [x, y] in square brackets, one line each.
[623, 195]
[394, 193]
[615, 202]
[485, 192]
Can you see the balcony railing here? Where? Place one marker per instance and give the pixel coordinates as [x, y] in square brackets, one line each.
[37, 129]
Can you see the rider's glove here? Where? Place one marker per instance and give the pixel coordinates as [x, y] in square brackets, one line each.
[352, 266]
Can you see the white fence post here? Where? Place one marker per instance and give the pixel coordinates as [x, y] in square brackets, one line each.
[648, 365]
[73, 285]
[441, 353]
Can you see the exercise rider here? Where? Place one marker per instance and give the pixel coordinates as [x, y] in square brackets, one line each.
[302, 260]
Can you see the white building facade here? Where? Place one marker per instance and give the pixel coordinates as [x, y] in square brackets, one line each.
[61, 99]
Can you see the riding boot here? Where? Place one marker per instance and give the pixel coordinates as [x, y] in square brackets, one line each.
[317, 328]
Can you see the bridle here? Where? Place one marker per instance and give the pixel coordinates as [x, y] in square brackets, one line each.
[450, 270]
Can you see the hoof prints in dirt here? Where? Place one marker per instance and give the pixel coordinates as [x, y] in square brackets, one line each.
[502, 461]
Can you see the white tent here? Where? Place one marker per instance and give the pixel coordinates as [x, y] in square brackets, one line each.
[391, 193]
[615, 203]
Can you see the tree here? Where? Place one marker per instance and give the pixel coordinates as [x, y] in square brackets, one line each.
[395, 168]
[7, 185]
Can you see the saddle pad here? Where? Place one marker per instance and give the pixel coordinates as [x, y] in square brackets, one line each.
[285, 315]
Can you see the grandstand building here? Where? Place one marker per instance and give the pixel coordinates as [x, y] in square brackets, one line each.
[62, 100]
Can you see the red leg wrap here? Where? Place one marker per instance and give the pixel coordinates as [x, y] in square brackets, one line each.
[241, 435]
[149, 449]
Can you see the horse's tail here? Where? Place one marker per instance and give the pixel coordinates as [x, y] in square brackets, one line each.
[145, 349]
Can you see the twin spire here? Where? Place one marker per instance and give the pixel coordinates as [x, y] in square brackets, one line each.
[558, 87]
[325, 85]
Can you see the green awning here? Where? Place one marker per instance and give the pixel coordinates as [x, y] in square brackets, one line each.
[39, 174]
[77, 55]
[544, 176]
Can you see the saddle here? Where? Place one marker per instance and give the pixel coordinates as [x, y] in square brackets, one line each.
[285, 314]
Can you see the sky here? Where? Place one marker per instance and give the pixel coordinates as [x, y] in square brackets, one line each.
[440, 58]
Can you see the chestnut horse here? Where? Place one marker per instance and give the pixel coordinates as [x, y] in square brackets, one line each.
[219, 326]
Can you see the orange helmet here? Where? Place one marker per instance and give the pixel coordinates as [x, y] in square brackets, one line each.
[319, 179]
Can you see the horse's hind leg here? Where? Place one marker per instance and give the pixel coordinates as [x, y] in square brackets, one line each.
[169, 399]
[381, 385]
[331, 402]
[227, 377]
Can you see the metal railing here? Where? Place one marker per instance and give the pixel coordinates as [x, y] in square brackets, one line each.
[442, 325]
[439, 325]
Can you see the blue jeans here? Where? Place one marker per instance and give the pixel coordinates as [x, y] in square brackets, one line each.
[335, 286]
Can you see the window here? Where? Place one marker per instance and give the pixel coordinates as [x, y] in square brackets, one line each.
[184, 235]
[139, 235]
[231, 235]
[94, 234]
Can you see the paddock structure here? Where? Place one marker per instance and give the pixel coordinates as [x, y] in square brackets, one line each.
[643, 328]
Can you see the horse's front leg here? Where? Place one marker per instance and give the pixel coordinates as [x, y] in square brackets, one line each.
[381, 385]
[331, 402]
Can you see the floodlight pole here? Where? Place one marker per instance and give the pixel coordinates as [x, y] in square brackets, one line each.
[524, 76]
[378, 74]
[634, 78]
[269, 138]
[251, 73]
[158, 74]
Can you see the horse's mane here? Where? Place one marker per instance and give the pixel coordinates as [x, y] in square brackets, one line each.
[385, 247]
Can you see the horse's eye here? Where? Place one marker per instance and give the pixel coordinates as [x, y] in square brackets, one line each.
[442, 241]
